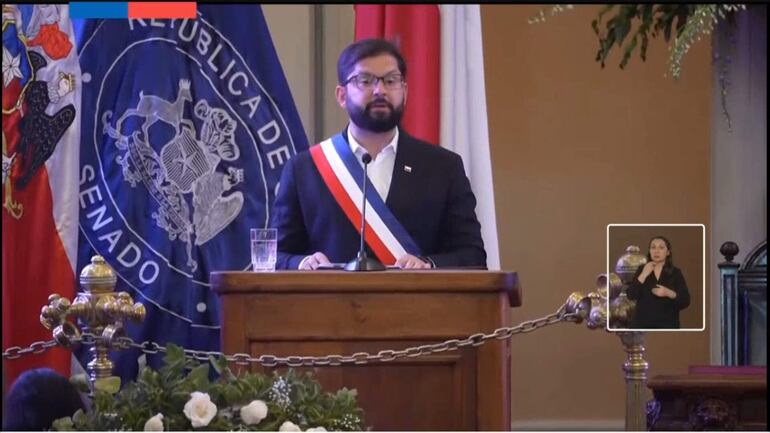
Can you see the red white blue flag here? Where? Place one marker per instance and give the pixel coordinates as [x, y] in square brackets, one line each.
[41, 147]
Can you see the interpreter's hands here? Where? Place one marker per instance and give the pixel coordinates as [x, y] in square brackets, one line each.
[648, 268]
[663, 292]
[313, 261]
[409, 261]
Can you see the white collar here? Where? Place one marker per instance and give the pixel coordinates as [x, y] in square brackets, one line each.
[359, 150]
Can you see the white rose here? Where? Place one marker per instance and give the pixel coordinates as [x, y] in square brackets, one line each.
[155, 423]
[316, 429]
[289, 426]
[254, 412]
[199, 409]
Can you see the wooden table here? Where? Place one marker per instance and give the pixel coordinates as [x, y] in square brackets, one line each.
[709, 398]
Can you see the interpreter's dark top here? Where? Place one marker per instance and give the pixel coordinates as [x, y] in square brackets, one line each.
[654, 311]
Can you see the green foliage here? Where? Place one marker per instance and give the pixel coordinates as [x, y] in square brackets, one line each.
[290, 397]
[687, 21]
[650, 20]
[639, 22]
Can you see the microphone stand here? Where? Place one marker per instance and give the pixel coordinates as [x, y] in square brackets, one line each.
[362, 262]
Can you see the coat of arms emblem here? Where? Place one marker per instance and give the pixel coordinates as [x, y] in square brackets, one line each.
[187, 178]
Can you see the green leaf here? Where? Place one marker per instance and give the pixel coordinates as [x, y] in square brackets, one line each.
[174, 354]
[200, 376]
[80, 420]
[621, 30]
[627, 54]
[110, 385]
[63, 424]
[666, 23]
[233, 396]
[603, 11]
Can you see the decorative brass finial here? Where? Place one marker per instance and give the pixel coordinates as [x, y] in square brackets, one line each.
[100, 310]
[629, 262]
[621, 308]
[593, 309]
[98, 277]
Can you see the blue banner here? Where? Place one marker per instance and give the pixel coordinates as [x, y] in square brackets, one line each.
[187, 125]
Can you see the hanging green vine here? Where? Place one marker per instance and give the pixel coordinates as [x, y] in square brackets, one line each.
[687, 23]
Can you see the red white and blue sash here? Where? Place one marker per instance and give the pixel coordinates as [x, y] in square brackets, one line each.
[342, 174]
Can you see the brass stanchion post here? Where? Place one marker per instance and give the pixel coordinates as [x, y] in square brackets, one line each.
[593, 309]
[100, 309]
[635, 368]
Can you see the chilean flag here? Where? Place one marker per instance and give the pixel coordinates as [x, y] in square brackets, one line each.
[41, 142]
[443, 49]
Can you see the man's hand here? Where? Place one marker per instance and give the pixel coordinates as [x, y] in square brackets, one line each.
[663, 292]
[312, 261]
[409, 261]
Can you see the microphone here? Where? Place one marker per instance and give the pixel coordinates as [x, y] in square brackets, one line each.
[362, 262]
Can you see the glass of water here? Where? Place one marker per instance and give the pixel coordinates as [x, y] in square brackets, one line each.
[264, 244]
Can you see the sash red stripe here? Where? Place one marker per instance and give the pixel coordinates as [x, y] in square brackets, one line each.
[347, 205]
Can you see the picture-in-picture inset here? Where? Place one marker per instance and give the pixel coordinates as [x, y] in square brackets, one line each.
[662, 268]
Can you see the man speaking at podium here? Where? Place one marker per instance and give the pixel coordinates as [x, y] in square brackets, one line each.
[420, 210]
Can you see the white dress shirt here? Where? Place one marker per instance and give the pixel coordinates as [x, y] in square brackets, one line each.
[380, 170]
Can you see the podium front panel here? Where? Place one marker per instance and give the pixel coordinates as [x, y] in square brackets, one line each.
[324, 313]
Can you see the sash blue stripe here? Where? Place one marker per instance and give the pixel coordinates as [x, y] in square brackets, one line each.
[351, 163]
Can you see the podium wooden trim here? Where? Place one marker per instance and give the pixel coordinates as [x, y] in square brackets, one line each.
[334, 312]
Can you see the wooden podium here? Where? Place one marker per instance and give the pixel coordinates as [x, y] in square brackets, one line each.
[334, 312]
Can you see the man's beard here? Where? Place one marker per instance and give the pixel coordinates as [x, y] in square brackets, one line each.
[378, 121]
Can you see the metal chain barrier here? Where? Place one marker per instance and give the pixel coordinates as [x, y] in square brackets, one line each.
[475, 340]
[35, 348]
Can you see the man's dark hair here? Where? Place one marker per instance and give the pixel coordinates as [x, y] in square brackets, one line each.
[364, 49]
[38, 398]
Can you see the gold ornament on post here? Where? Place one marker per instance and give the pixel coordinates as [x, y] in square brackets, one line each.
[622, 311]
[593, 309]
[101, 309]
[621, 308]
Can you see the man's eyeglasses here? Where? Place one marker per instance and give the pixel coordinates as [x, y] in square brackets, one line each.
[369, 81]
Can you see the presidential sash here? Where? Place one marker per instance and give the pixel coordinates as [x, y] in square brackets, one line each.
[342, 174]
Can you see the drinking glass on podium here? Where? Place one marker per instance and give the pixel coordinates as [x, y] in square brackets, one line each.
[264, 245]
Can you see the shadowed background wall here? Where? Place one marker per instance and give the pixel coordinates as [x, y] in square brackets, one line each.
[574, 147]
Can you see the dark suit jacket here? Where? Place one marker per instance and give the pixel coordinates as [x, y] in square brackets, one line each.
[433, 202]
[654, 311]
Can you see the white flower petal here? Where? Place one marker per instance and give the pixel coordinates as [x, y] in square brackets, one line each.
[155, 423]
[199, 409]
[254, 412]
[289, 426]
